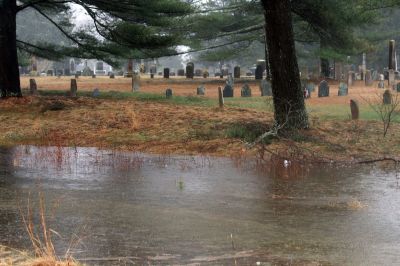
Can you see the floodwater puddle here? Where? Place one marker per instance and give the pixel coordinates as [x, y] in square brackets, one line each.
[126, 208]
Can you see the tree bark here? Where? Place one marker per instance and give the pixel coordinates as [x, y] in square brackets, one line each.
[290, 111]
[9, 72]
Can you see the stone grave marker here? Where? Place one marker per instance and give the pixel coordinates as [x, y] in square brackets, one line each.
[387, 97]
[166, 73]
[168, 93]
[310, 87]
[246, 91]
[181, 72]
[206, 74]
[201, 90]
[350, 79]
[398, 87]
[228, 91]
[32, 87]
[135, 82]
[220, 97]
[355, 111]
[265, 88]
[323, 89]
[230, 81]
[391, 79]
[112, 76]
[93, 76]
[381, 83]
[96, 93]
[190, 70]
[74, 88]
[374, 75]
[236, 72]
[259, 72]
[343, 89]
[368, 78]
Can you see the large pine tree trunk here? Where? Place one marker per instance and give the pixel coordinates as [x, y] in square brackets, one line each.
[9, 72]
[288, 96]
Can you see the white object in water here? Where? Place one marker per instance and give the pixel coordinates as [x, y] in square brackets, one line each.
[286, 163]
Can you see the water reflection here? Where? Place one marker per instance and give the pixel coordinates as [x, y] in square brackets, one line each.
[190, 209]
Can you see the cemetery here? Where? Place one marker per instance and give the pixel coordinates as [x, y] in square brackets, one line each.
[175, 132]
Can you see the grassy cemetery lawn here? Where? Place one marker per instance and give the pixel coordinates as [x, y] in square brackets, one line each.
[190, 124]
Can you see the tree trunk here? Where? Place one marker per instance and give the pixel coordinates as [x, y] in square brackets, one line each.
[9, 72]
[290, 111]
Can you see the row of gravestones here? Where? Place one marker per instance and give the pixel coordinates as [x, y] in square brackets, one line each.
[191, 72]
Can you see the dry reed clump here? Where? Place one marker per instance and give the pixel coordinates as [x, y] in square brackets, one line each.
[41, 239]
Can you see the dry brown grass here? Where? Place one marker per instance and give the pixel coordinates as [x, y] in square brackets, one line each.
[156, 127]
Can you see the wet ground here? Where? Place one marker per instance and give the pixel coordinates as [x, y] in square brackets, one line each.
[125, 208]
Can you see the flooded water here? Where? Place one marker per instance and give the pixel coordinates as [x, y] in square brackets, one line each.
[127, 208]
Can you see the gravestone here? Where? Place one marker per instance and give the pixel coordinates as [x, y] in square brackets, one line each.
[350, 79]
[265, 88]
[236, 72]
[76, 75]
[32, 87]
[368, 78]
[220, 98]
[181, 72]
[168, 93]
[387, 97]
[152, 76]
[398, 87]
[310, 87]
[74, 88]
[391, 79]
[228, 91]
[381, 83]
[355, 111]
[87, 72]
[49, 72]
[96, 93]
[166, 73]
[246, 91]
[230, 81]
[259, 72]
[135, 82]
[93, 76]
[206, 74]
[343, 89]
[190, 70]
[201, 90]
[198, 72]
[323, 89]
[375, 75]
[112, 76]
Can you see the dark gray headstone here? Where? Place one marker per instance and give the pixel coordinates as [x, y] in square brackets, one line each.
[355, 111]
[50, 72]
[93, 76]
[343, 89]
[259, 72]
[166, 73]
[190, 70]
[74, 88]
[230, 81]
[265, 88]
[112, 76]
[32, 87]
[198, 72]
[228, 91]
[201, 90]
[236, 72]
[323, 89]
[246, 91]
[96, 93]
[387, 97]
[181, 72]
[206, 74]
[168, 93]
